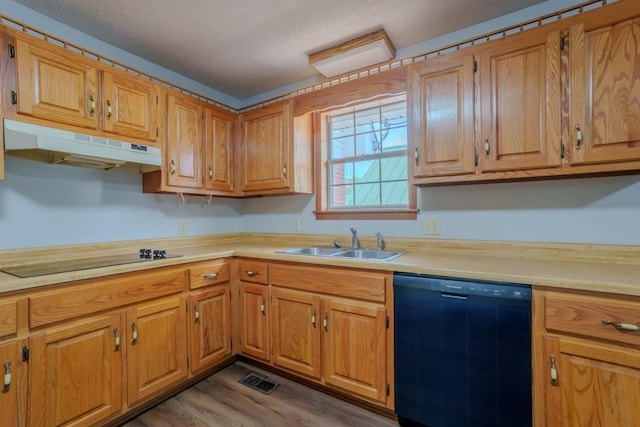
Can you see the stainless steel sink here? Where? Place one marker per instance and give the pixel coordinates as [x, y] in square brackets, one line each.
[315, 250]
[369, 254]
[327, 251]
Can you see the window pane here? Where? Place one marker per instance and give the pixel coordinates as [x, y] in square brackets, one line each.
[367, 120]
[394, 169]
[395, 193]
[341, 196]
[395, 140]
[394, 114]
[341, 125]
[367, 171]
[342, 147]
[367, 194]
[367, 143]
[341, 173]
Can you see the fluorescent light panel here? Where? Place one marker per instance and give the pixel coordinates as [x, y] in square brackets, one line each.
[370, 49]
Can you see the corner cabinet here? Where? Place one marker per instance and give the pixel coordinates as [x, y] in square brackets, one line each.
[588, 370]
[276, 156]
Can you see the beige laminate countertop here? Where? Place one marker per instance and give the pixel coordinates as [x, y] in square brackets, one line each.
[594, 269]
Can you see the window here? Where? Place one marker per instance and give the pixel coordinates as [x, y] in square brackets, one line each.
[363, 156]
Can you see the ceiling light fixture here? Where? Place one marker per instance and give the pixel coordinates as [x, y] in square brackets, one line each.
[361, 52]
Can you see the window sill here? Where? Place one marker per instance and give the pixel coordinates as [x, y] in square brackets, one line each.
[371, 214]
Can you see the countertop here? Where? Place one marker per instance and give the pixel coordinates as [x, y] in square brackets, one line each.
[603, 268]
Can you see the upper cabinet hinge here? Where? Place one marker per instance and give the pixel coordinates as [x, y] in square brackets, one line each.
[387, 322]
[475, 159]
[157, 100]
[157, 132]
[25, 354]
[388, 389]
[14, 97]
[12, 51]
[475, 66]
[563, 41]
[562, 153]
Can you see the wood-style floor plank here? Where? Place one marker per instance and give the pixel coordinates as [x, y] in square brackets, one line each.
[221, 400]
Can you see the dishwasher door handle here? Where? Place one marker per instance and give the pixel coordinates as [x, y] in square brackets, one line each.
[454, 296]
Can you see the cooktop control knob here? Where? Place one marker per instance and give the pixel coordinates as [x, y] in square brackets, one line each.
[159, 254]
[145, 253]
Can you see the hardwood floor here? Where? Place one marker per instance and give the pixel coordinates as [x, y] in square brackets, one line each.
[220, 400]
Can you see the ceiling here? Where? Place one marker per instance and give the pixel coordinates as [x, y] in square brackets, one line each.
[247, 47]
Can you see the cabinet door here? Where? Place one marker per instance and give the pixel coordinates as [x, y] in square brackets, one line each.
[157, 347]
[11, 389]
[218, 156]
[440, 97]
[266, 134]
[184, 142]
[75, 374]
[254, 324]
[56, 85]
[296, 331]
[520, 102]
[130, 106]
[605, 89]
[354, 347]
[597, 385]
[210, 329]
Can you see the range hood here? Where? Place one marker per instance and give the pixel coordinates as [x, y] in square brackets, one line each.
[64, 147]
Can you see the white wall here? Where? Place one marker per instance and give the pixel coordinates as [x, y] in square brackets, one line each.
[43, 205]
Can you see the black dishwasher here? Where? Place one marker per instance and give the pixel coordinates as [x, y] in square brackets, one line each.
[462, 352]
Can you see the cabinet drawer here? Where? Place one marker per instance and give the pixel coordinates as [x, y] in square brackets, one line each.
[208, 274]
[583, 315]
[254, 271]
[8, 317]
[360, 284]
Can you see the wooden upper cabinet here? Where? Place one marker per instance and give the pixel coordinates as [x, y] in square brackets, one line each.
[295, 331]
[75, 376]
[441, 119]
[156, 347]
[520, 102]
[605, 89]
[219, 151]
[184, 141]
[56, 85]
[129, 106]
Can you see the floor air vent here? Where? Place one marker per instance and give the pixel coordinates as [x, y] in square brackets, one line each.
[256, 382]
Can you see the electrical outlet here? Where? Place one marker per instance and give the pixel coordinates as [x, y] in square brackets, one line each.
[183, 228]
[431, 225]
[296, 226]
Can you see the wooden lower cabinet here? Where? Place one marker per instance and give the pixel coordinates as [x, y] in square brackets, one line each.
[156, 348]
[209, 327]
[13, 410]
[75, 376]
[354, 347]
[296, 331]
[254, 328]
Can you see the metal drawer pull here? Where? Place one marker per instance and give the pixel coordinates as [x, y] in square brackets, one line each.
[7, 377]
[134, 335]
[621, 326]
[117, 339]
[554, 370]
[210, 276]
[252, 273]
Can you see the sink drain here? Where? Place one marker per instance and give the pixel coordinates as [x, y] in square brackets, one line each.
[256, 382]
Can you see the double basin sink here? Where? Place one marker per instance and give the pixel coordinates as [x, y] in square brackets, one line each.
[362, 254]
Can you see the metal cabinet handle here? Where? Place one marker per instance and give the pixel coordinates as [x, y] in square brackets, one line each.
[416, 156]
[313, 318]
[621, 326]
[252, 273]
[109, 109]
[325, 321]
[262, 307]
[134, 334]
[579, 137]
[92, 105]
[209, 276]
[487, 146]
[6, 384]
[210, 172]
[284, 170]
[172, 167]
[196, 314]
[554, 370]
[117, 339]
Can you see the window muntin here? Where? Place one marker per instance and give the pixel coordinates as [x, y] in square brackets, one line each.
[367, 156]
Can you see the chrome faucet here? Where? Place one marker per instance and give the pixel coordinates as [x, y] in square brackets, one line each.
[354, 238]
[380, 241]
